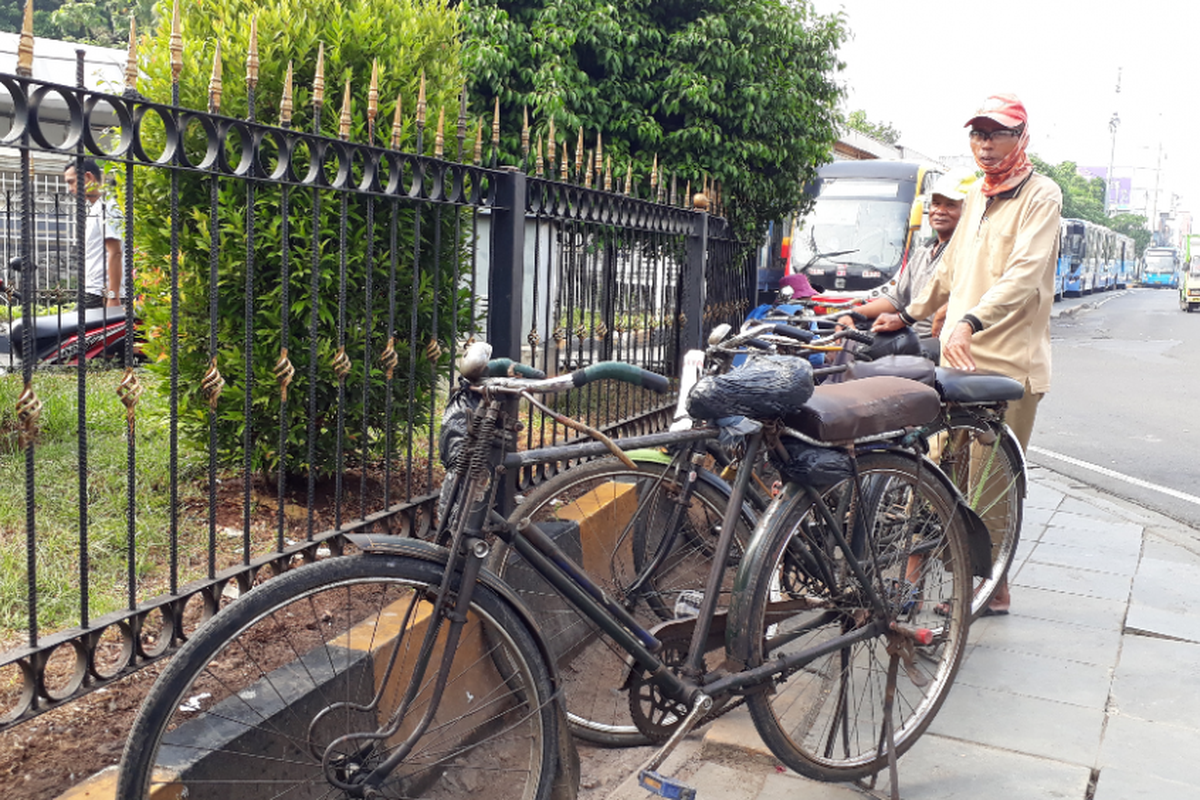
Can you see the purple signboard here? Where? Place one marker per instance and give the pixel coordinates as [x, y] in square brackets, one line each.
[1120, 190]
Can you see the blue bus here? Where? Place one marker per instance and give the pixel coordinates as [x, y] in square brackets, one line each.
[1160, 267]
[1079, 246]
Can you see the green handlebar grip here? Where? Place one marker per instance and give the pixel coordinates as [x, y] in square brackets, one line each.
[504, 367]
[619, 371]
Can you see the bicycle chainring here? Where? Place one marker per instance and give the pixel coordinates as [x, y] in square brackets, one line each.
[656, 715]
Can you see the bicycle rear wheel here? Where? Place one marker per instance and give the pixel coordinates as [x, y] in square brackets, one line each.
[826, 718]
[614, 521]
[251, 705]
[984, 461]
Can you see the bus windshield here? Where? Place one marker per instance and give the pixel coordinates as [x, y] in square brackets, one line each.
[876, 229]
[1159, 263]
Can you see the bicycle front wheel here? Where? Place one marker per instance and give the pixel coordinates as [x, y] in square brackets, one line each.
[619, 525]
[826, 717]
[284, 692]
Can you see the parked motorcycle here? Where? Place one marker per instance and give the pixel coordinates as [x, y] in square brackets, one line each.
[59, 339]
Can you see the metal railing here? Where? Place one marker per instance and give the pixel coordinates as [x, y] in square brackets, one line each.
[266, 401]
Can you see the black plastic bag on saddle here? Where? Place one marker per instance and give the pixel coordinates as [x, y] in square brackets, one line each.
[765, 387]
[819, 467]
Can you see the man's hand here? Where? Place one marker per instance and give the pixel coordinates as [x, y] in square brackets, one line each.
[957, 352]
[887, 322]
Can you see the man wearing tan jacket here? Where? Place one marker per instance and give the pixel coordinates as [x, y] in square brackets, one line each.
[997, 273]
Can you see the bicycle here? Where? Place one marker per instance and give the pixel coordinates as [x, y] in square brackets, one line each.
[412, 670]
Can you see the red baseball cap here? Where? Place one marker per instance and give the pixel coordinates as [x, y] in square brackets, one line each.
[1003, 108]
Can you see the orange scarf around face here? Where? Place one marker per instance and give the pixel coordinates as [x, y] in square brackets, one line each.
[1012, 169]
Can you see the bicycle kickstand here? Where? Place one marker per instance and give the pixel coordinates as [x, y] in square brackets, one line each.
[887, 736]
[662, 785]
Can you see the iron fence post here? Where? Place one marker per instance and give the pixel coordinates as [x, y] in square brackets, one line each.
[691, 296]
[506, 284]
[506, 277]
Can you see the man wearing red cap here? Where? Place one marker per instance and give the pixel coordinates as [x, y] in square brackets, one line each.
[998, 271]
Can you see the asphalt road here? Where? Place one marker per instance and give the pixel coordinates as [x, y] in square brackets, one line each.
[1123, 412]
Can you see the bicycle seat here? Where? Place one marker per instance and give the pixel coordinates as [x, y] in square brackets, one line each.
[865, 407]
[963, 386]
[915, 368]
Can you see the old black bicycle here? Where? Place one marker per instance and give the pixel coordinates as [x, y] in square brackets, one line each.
[412, 670]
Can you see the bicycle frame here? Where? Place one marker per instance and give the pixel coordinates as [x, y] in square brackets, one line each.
[469, 548]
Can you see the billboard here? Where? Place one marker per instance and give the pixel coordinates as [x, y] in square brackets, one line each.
[1120, 190]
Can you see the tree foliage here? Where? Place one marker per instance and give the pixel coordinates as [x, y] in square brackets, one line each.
[100, 22]
[407, 37]
[1083, 198]
[740, 91]
[883, 131]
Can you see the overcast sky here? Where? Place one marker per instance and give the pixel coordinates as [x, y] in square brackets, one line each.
[925, 67]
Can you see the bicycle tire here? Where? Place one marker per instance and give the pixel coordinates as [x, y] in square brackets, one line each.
[825, 718]
[984, 461]
[634, 504]
[248, 705]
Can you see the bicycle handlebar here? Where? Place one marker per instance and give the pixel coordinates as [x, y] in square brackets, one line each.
[506, 367]
[620, 371]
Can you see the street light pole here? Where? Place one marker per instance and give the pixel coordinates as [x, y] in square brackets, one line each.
[1154, 203]
[1108, 189]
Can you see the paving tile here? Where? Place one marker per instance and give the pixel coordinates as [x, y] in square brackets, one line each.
[1029, 725]
[1121, 784]
[1167, 585]
[1160, 751]
[1157, 622]
[1065, 528]
[1034, 517]
[1085, 507]
[790, 786]
[1046, 604]
[1096, 560]
[1020, 634]
[1031, 675]
[1147, 682]
[938, 768]
[1074, 581]
[1039, 495]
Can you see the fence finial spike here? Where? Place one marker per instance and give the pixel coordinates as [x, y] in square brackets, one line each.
[587, 173]
[344, 123]
[214, 82]
[608, 178]
[439, 138]
[397, 124]
[496, 123]
[252, 54]
[525, 133]
[25, 46]
[479, 142]
[599, 158]
[654, 175]
[550, 145]
[176, 45]
[628, 177]
[131, 58]
[421, 101]
[318, 93]
[373, 92]
[579, 155]
[564, 165]
[539, 165]
[285, 105]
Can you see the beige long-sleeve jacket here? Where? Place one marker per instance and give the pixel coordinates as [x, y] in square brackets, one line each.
[999, 270]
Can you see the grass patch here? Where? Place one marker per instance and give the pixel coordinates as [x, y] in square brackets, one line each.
[56, 497]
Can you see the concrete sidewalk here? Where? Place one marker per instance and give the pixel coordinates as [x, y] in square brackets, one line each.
[1086, 691]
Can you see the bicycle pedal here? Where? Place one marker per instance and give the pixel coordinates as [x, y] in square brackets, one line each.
[665, 786]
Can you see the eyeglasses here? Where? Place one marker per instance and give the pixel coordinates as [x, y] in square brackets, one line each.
[1002, 135]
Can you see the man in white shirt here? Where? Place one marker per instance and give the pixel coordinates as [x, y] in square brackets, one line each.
[104, 279]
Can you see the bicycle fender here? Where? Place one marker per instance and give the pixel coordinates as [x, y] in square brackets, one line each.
[737, 637]
[380, 545]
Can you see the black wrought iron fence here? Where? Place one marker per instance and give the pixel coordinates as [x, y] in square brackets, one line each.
[300, 302]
